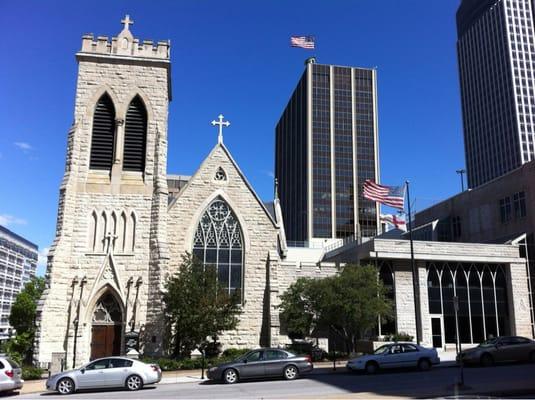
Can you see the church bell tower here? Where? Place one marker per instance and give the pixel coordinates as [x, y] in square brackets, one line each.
[105, 266]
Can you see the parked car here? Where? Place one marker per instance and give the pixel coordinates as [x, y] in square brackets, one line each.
[499, 350]
[262, 363]
[10, 375]
[395, 355]
[106, 373]
[301, 346]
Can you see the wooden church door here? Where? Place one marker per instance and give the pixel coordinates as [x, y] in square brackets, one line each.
[106, 328]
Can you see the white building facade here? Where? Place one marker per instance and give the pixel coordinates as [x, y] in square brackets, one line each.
[18, 262]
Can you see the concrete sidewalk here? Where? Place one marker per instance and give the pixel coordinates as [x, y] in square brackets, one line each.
[447, 359]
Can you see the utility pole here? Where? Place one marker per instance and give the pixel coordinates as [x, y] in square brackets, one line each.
[459, 346]
[461, 172]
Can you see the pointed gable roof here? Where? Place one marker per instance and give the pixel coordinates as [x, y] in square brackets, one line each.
[226, 152]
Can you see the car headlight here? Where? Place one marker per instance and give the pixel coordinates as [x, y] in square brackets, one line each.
[213, 369]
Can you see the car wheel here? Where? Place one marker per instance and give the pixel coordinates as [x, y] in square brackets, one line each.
[65, 386]
[230, 376]
[134, 382]
[372, 368]
[291, 372]
[486, 360]
[424, 364]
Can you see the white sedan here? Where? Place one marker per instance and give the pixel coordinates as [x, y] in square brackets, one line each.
[395, 355]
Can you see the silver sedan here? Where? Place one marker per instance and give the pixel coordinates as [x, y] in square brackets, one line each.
[395, 355]
[106, 373]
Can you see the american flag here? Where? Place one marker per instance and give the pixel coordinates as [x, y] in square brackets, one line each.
[393, 196]
[398, 222]
[305, 42]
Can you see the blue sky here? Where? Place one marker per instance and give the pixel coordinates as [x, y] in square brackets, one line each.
[231, 57]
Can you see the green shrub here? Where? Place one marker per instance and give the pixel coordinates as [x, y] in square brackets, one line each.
[31, 373]
[399, 337]
[169, 364]
[192, 363]
[233, 353]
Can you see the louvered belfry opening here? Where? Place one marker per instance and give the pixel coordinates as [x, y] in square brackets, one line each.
[135, 136]
[103, 137]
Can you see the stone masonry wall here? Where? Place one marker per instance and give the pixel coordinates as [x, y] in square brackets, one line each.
[259, 231]
[83, 190]
[518, 295]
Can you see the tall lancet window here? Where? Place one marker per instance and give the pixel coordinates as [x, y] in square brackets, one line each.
[135, 136]
[103, 135]
[218, 243]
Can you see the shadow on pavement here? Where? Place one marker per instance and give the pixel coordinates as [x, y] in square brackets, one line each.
[102, 390]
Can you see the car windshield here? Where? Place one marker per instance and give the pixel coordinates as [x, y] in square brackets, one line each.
[490, 342]
[382, 350]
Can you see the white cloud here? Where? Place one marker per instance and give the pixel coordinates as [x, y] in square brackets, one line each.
[43, 253]
[270, 174]
[24, 146]
[6, 220]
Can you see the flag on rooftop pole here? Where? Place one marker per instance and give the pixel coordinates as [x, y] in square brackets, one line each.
[395, 220]
[304, 42]
[393, 196]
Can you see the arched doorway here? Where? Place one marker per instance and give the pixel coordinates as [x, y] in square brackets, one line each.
[106, 327]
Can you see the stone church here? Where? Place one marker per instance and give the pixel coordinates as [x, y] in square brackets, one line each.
[120, 234]
[123, 225]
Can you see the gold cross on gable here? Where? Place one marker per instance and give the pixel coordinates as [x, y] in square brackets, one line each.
[221, 124]
[127, 21]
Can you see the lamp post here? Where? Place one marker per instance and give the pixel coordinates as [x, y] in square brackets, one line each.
[77, 321]
[461, 172]
[459, 347]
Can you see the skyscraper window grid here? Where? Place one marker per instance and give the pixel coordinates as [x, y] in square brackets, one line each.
[496, 66]
[321, 152]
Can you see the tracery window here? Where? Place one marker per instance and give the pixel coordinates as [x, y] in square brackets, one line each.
[218, 243]
[220, 175]
[107, 311]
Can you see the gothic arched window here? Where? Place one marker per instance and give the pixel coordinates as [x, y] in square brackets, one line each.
[103, 135]
[135, 136]
[107, 311]
[218, 243]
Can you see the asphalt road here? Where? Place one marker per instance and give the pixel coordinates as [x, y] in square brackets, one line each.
[498, 381]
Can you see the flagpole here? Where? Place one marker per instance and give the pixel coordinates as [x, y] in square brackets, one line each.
[415, 281]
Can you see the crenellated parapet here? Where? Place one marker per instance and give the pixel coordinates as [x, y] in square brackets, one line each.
[125, 45]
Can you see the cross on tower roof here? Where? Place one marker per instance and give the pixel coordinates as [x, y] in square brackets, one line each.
[127, 21]
[221, 123]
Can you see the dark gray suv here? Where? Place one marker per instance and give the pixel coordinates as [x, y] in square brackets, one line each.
[262, 363]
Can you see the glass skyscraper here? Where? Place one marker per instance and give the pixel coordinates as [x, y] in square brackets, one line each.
[326, 147]
[496, 55]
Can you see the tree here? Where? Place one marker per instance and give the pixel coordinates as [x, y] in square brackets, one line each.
[348, 304]
[296, 312]
[196, 307]
[22, 319]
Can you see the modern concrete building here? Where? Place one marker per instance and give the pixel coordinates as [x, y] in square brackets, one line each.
[496, 57]
[326, 147]
[499, 211]
[18, 262]
[490, 281]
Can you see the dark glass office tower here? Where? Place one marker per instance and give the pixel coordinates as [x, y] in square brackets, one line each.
[326, 147]
[496, 55]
